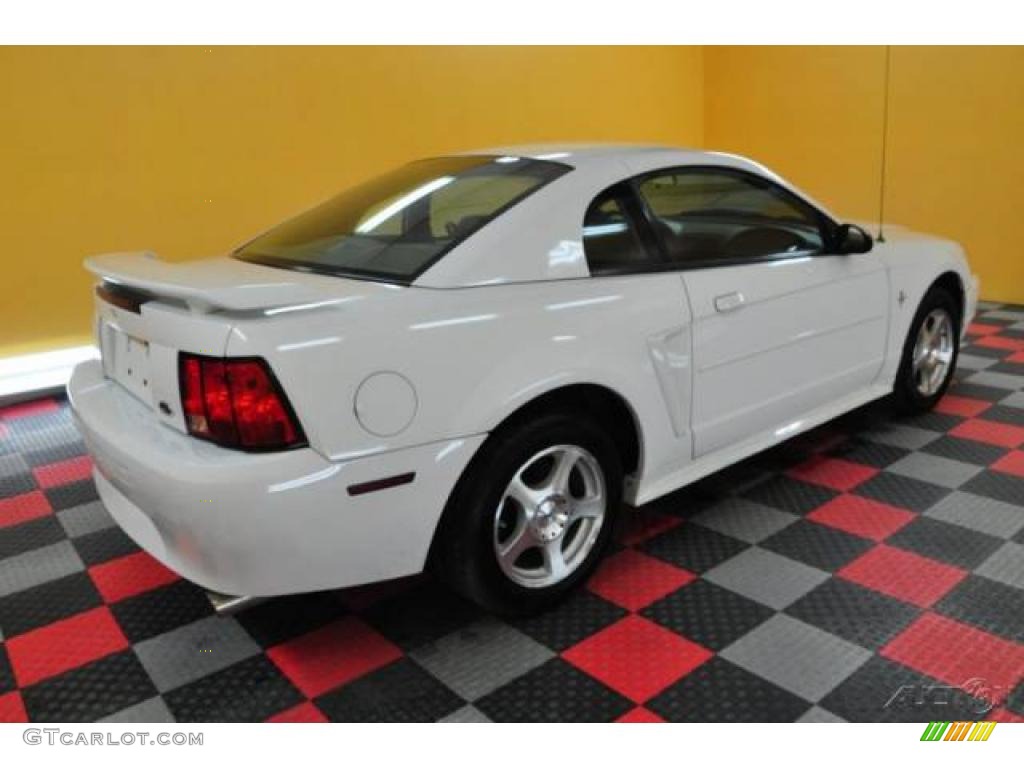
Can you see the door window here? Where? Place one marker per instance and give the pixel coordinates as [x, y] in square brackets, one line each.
[708, 216]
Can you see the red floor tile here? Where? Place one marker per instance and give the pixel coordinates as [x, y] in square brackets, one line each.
[333, 655]
[861, 517]
[961, 406]
[636, 657]
[634, 580]
[1004, 435]
[980, 329]
[641, 525]
[903, 575]
[640, 715]
[956, 653]
[62, 472]
[1016, 357]
[1012, 463]
[838, 474]
[1004, 716]
[64, 645]
[22, 508]
[301, 713]
[12, 710]
[33, 408]
[1000, 342]
[3, 431]
[130, 575]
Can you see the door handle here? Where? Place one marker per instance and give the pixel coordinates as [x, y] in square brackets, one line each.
[728, 302]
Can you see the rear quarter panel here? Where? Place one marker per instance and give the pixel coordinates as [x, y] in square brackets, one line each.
[475, 355]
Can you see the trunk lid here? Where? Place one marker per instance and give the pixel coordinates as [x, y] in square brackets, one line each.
[148, 310]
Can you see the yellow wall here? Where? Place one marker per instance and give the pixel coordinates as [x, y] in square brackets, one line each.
[955, 141]
[188, 151]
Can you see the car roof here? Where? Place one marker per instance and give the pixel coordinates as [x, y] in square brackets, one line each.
[596, 153]
[540, 238]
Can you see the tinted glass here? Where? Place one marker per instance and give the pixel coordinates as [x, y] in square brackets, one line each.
[708, 215]
[610, 239]
[397, 225]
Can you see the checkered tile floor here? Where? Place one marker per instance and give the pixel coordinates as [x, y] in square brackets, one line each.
[848, 574]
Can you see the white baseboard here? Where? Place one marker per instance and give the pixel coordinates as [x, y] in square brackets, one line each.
[26, 376]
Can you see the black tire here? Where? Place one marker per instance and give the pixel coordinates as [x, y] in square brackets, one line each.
[464, 554]
[908, 399]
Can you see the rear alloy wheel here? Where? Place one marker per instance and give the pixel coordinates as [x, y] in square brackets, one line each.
[550, 516]
[929, 354]
[532, 515]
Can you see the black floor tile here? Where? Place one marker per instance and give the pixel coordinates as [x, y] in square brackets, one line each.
[968, 451]
[24, 537]
[401, 692]
[55, 600]
[852, 612]
[707, 614]
[720, 692]
[554, 692]
[693, 547]
[948, 543]
[161, 610]
[72, 494]
[91, 692]
[990, 605]
[580, 616]
[790, 495]
[249, 691]
[997, 485]
[883, 691]
[899, 491]
[820, 546]
[105, 545]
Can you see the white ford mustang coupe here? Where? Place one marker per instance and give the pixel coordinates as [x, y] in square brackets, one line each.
[471, 361]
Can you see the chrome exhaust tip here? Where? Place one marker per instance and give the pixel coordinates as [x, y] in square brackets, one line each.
[225, 605]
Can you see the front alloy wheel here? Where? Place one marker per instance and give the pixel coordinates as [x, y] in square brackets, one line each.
[933, 352]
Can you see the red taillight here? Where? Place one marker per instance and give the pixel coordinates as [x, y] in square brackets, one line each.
[236, 403]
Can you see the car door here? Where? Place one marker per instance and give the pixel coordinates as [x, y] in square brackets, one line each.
[781, 325]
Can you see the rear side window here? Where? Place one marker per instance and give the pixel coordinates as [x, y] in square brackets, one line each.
[705, 215]
[611, 240]
[397, 225]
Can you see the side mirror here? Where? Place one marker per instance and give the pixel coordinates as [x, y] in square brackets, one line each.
[852, 239]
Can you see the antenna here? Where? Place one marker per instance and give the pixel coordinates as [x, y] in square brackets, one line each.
[885, 137]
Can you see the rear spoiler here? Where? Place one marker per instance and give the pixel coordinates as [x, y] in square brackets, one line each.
[208, 285]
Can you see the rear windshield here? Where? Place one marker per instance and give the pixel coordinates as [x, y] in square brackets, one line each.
[396, 225]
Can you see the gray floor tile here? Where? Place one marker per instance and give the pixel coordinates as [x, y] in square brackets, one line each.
[1000, 380]
[85, 519]
[967, 362]
[467, 714]
[744, 519]
[796, 656]
[1014, 400]
[13, 464]
[820, 715]
[1013, 315]
[900, 435]
[766, 577]
[149, 711]
[194, 651]
[38, 566]
[1006, 564]
[935, 469]
[481, 657]
[979, 513]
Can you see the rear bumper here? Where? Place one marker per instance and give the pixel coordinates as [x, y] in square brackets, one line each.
[259, 524]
